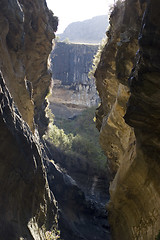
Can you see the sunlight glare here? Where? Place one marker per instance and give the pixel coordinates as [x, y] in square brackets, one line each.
[71, 11]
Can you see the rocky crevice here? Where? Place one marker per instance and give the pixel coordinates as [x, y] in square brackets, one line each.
[27, 205]
[31, 183]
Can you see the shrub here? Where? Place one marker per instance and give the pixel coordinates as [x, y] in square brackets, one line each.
[79, 138]
[59, 138]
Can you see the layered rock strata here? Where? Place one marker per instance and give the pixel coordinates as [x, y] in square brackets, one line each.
[132, 151]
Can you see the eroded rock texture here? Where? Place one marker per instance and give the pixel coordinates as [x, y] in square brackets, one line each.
[27, 207]
[27, 30]
[133, 152]
[26, 204]
[112, 74]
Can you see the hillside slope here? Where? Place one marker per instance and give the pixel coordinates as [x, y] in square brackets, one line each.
[88, 31]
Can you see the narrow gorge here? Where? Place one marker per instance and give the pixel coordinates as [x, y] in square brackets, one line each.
[47, 193]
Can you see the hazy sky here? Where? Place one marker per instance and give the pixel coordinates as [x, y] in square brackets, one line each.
[77, 10]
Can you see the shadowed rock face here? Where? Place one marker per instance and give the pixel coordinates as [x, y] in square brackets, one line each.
[27, 207]
[143, 114]
[80, 218]
[26, 204]
[133, 152]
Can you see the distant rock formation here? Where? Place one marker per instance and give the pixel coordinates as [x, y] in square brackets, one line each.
[73, 90]
[132, 51]
[87, 31]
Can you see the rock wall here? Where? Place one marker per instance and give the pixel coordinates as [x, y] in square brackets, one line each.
[27, 207]
[132, 151]
[27, 30]
[71, 63]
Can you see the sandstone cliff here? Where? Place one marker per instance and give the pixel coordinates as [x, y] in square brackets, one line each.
[133, 152]
[27, 207]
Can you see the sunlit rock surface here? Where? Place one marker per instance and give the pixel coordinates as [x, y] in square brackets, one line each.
[133, 149]
[27, 206]
[27, 30]
[112, 81]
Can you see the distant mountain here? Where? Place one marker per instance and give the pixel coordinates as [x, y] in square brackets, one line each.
[88, 31]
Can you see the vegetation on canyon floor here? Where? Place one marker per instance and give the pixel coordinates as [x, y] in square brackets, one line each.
[78, 138]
